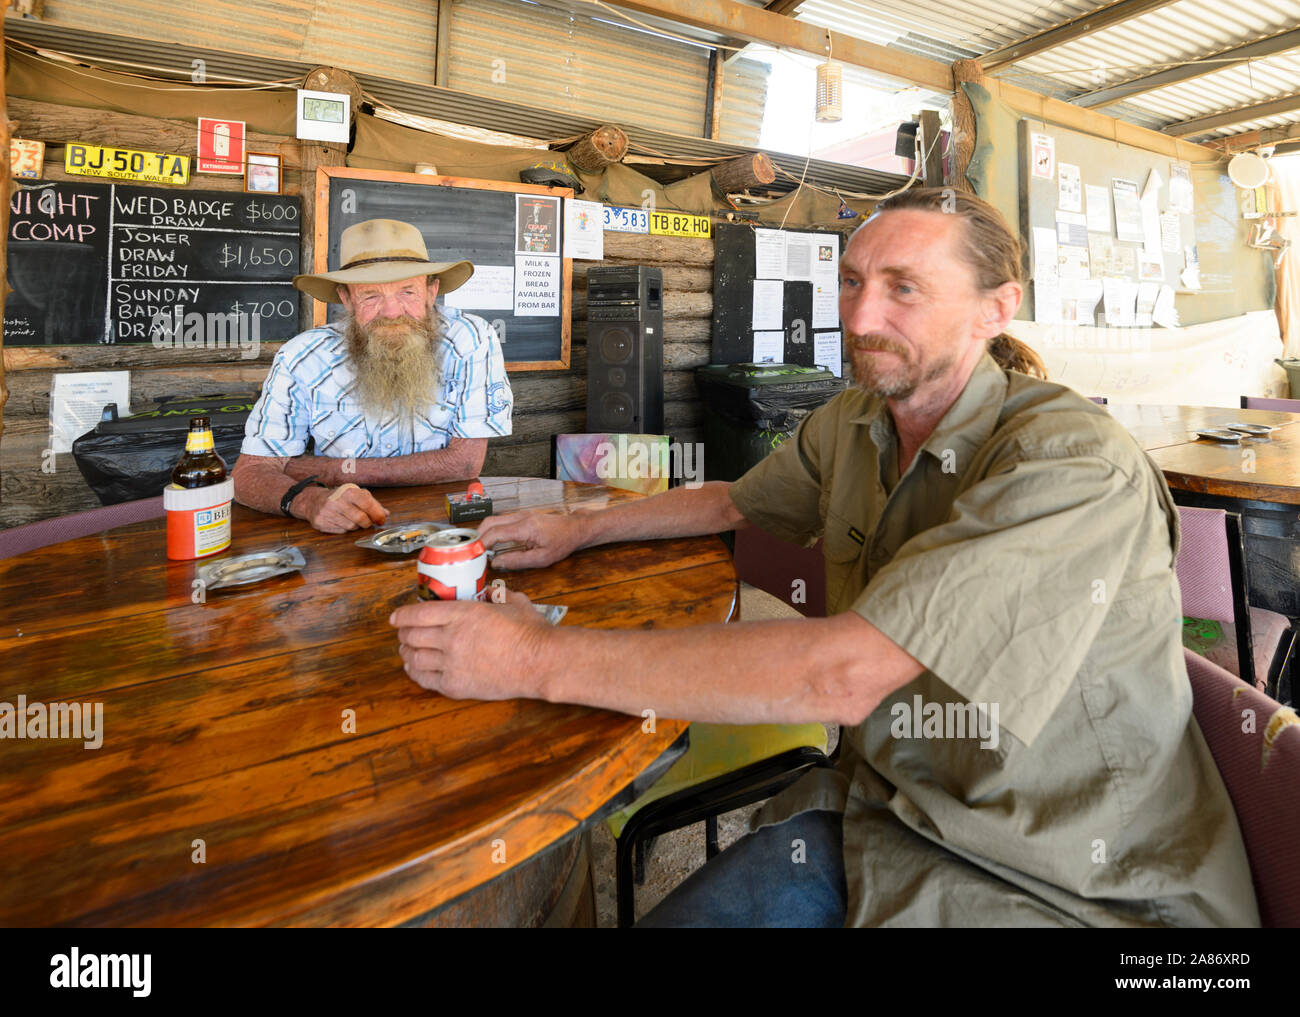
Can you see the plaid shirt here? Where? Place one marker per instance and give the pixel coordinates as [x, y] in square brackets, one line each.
[309, 394]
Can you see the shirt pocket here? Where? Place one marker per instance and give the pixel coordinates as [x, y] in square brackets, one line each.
[843, 556]
[335, 425]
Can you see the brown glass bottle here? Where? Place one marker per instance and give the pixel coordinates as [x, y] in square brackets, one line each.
[200, 466]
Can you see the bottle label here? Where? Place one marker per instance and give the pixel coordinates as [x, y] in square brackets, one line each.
[199, 441]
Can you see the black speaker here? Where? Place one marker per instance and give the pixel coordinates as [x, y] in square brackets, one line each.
[625, 364]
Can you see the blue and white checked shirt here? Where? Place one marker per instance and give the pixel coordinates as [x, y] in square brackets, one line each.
[309, 393]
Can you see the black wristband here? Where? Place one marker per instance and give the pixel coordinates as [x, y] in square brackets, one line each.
[296, 490]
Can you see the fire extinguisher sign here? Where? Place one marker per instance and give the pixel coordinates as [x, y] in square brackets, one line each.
[221, 146]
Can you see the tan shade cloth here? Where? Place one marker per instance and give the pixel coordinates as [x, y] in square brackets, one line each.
[1025, 558]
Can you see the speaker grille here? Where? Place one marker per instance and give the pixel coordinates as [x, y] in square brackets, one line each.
[616, 346]
[617, 408]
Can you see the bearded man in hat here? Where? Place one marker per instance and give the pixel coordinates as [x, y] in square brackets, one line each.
[396, 393]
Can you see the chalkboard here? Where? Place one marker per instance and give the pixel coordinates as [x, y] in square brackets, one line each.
[482, 221]
[733, 300]
[95, 263]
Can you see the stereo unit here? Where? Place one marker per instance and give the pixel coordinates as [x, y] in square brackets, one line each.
[625, 368]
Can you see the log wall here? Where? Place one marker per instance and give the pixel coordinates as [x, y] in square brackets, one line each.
[34, 485]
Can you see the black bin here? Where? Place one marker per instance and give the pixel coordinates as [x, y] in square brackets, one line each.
[126, 458]
[750, 409]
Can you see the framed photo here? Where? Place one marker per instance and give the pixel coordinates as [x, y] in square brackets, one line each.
[262, 173]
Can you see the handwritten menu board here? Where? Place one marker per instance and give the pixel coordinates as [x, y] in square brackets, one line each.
[97, 263]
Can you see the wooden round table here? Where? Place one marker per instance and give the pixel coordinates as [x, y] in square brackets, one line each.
[266, 760]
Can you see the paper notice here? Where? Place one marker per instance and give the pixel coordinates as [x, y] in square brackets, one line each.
[769, 348]
[1072, 228]
[1070, 183]
[769, 254]
[1171, 234]
[826, 305]
[1146, 302]
[1180, 188]
[584, 229]
[1128, 210]
[1047, 299]
[1072, 262]
[1044, 244]
[799, 248]
[490, 288]
[1098, 208]
[1150, 224]
[77, 400]
[537, 286]
[1151, 267]
[769, 302]
[827, 351]
[537, 224]
[1164, 314]
[1042, 155]
[1087, 293]
[1120, 298]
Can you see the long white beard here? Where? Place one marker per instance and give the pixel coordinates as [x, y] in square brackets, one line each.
[397, 363]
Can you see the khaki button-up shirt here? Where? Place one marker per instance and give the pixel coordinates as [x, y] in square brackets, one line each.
[1046, 768]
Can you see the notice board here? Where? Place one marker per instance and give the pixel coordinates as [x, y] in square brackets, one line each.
[799, 270]
[513, 234]
[96, 263]
[1092, 176]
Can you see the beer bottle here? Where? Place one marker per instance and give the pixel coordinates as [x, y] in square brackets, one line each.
[200, 466]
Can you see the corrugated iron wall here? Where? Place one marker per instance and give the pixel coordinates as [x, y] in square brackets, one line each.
[744, 93]
[393, 38]
[534, 55]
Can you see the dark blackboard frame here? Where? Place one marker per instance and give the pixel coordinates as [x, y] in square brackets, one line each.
[325, 175]
[733, 298]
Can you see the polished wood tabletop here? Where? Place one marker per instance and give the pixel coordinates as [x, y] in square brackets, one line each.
[1260, 469]
[266, 760]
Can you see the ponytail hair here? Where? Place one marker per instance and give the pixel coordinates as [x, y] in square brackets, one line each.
[990, 248]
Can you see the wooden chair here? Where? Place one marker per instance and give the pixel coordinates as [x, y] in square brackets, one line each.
[21, 539]
[1261, 770]
[1211, 570]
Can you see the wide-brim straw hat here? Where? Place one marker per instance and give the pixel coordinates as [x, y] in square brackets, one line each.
[382, 251]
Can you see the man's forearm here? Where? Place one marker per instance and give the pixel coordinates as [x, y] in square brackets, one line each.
[776, 672]
[681, 512]
[461, 460]
[262, 485]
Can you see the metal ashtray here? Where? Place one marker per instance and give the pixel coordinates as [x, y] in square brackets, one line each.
[1261, 430]
[402, 539]
[1220, 434]
[251, 568]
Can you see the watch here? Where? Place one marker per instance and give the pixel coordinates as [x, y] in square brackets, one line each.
[296, 490]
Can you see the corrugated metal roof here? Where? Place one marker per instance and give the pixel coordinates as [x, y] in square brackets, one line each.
[428, 100]
[744, 94]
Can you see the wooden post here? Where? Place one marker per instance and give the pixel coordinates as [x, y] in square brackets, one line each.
[930, 149]
[595, 151]
[713, 103]
[963, 119]
[6, 188]
[442, 44]
[743, 172]
[315, 154]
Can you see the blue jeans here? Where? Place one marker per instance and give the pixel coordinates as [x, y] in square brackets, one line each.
[790, 875]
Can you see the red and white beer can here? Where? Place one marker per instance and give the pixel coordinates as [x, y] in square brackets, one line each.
[453, 566]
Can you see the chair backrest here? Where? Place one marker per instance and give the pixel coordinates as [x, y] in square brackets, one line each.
[633, 462]
[21, 539]
[1099, 400]
[1255, 742]
[1211, 571]
[1262, 403]
[794, 575]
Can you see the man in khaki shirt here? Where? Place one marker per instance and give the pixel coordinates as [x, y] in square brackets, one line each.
[1003, 645]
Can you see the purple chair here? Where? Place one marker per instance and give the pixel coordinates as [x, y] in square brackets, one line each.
[1260, 403]
[1211, 574]
[1261, 770]
[1099, 400]
[21, 539]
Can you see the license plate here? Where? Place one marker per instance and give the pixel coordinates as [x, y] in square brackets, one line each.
[126, 164]
[679, 224]
[627, 220]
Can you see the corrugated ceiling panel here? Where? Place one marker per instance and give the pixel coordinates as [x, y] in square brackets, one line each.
[744, 94]
[525, 53]
[392, 37]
